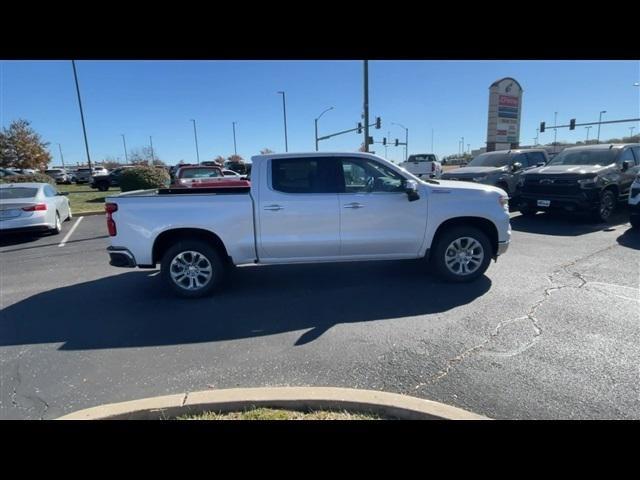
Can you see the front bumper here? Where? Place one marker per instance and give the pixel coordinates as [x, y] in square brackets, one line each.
[502, 248]
[121, 257]
[583, 201]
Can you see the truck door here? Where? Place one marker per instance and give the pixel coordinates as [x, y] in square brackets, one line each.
[298, 212]
[376, 217]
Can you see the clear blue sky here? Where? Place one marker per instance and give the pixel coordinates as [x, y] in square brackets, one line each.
[142, 98]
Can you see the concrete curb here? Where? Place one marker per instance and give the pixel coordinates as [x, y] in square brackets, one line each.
[88, 214]
[383, 403]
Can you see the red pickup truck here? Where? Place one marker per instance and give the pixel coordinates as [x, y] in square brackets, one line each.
[206, 177]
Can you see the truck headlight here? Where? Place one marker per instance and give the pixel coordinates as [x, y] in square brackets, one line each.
[588, 182]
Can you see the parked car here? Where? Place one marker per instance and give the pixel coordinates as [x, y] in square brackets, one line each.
[303, 208]
[501, 168]
[423, 165]
[32, 207]
[5, 172]
[591, 178]
[231, 173]
[634, 203]
[103, 181]
[206, 177]
[60, 175]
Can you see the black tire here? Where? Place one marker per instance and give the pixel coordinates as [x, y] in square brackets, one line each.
[439, 255]
[58, 228]
[605, 208]
[634, 220]
[218, 268]
[103, 187]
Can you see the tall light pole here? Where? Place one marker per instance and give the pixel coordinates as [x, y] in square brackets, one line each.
[151, 144]
[316, 122]
[284, 111]
[61, 156]
[366, 105]
[630, 130]
[126, 159]
[432, 141]
[555, 130]
[195, 134]
[468, 148]
[587, 141]
[84, 130]
[235, 148]
[462, 145]
[599, 120]
[537, 134]
[406, 139]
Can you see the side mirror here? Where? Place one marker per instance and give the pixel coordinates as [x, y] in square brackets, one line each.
[540, 164]
[411, 187]
[625, 165]
[516, 166]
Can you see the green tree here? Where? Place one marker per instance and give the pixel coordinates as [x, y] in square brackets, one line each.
[22, 147]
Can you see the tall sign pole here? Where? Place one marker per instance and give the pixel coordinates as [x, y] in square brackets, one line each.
[84, 130]
[366, 105]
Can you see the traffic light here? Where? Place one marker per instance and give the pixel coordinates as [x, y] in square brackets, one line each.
[378, 122]
[542, 127]
[359, 127]
[572, 124]
[384, 141]
[396, 142]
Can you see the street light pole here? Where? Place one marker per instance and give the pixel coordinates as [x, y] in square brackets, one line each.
[555, 130]
[366, 105]
[235, 148]
[600, 120]
[195, 134]
[61, 156]
[84, 130]
[406, 142]
[631, 131]
[126, 159]
[151, 144]
[432, 141]
[316, 122]
[284, 111]
[587, 141]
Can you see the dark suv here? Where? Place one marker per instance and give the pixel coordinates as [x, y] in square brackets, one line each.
[590, 178]
[112, 179]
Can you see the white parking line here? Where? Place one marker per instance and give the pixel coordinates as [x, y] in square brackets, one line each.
[66, 237]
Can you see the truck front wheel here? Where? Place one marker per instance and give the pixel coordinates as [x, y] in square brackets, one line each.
[192, 268]
[461, 254]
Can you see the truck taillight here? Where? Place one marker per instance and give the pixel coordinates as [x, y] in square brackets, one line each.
[35, 208]
[111, 224]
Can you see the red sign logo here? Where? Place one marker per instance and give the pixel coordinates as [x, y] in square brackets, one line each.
[507, 100]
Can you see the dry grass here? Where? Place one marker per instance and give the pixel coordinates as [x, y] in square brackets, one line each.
[278, 414]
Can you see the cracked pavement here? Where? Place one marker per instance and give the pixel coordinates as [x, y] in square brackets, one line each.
[551, 331]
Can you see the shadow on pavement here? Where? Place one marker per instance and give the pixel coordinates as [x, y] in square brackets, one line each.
[630, 238]
[565, 224]
[135, 309]
[8, 239]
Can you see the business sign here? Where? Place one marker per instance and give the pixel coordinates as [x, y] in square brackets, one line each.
[505, 108]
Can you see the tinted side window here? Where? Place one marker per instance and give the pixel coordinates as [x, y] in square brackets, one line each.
[626, 155]
[304, 175]
[535, 158]
[521, 158]
[361, 175]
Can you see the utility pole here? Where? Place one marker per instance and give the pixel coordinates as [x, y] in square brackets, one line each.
[432, 141]
[284, 111]
[235, 149]
[151, 143]
[631, 131]
[195, 134]
[587, 133]
[61, 156]
[316, 124]
[366, 105]
[126, 159]
[84, 130]
[555, 130]
[536, 139]
[600, 120]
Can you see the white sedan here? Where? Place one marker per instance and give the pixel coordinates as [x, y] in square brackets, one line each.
[32, 207]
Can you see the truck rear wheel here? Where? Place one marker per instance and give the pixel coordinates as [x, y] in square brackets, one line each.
[192, 268]
[461, 254]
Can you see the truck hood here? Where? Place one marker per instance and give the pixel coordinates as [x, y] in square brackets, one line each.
[453, 186]
[472, 171]
[568, 169]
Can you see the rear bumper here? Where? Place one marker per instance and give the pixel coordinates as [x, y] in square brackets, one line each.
[121, 257]
[34, 222]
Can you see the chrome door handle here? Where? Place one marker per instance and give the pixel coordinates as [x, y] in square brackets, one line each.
[273, 208]
[354, 205]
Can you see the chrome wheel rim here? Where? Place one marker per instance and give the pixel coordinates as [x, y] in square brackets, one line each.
[191, 270]
[464, 256]
[606, 206]
[58, 224]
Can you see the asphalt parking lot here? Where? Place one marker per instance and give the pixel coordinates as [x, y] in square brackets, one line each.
[551, 331]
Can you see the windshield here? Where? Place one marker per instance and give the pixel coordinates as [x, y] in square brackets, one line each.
[422, 158]
[585, 157]
[490, 160]
[17, 192]
[200, 173]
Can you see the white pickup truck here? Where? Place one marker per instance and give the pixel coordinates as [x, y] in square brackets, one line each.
[307, 208]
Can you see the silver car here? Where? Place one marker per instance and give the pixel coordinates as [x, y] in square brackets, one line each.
[32, 207]
[84, 174]
[60, 175]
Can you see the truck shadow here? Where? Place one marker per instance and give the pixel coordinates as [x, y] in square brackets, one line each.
[566, 224]
[135, 309]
